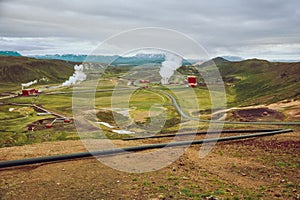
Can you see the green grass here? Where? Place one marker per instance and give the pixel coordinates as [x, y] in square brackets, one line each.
[257, 81]
[61, 104]
[9, 87]
[247, 82]
[14, 128]
[14, 124]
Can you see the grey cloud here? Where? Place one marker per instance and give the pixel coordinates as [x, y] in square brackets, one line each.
[223, 25]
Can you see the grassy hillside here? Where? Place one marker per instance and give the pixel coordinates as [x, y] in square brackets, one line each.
[258, 81]
[15, 70]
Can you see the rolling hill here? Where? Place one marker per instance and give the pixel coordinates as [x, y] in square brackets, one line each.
[256, 81]
[15, 70]
[250, 81]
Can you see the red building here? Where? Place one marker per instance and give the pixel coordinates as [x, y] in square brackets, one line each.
[192, 80]
[144, 81]
[29, 92]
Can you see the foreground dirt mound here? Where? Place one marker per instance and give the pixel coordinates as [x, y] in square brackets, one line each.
[259, 168]
[256, 114]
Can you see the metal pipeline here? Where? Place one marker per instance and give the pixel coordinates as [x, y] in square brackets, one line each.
[202, 133]
[47, 111]
[28, 161]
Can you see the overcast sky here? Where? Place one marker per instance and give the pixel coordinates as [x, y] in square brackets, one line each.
[268, 29]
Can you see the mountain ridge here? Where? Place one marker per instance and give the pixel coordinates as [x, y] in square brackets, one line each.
[10, 53]
[138, 59]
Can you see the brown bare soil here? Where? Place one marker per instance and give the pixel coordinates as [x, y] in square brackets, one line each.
[258, 114]
[260, 168]
[280, 111]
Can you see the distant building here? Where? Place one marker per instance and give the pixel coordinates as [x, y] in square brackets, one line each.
[29, 92]
[192, 80]
[144, 87]
[144, 81]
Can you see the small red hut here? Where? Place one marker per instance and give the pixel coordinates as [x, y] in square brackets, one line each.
[192, 80]
[29, 92]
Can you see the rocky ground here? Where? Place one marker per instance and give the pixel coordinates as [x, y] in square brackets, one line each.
[258, 168]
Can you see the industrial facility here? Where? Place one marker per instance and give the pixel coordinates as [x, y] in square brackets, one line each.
[192, 81]
[29, 92]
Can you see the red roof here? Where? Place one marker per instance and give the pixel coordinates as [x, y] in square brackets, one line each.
[27, 92]
[192, 81]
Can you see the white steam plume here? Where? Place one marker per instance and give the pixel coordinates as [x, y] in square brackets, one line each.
[171, 63]
[77, 77]
[29, 83]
